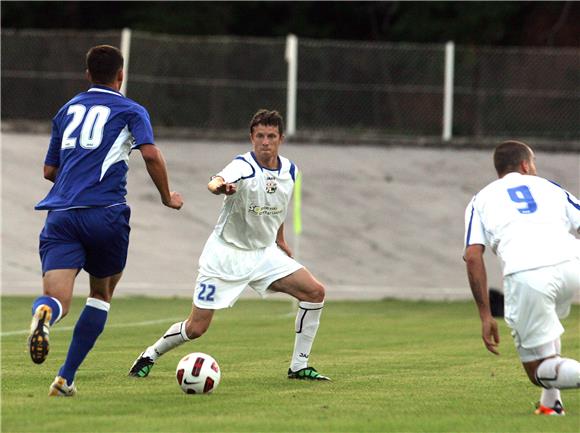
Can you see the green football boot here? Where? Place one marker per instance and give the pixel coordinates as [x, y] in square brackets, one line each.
[308, 373]
[142, 366]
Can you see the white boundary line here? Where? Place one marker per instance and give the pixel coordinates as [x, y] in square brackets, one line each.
[120, 325]
[69, 328]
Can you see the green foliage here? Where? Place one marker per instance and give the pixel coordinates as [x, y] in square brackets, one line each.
[464, 22]
[396, 366]
[487, 23]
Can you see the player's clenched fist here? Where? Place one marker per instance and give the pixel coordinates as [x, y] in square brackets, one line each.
[175, 201]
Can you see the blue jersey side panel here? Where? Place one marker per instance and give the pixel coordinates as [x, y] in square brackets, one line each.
[92, 158]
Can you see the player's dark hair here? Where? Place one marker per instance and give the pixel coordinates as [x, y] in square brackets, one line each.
[508, 156]
[267, 118]
[103, 63]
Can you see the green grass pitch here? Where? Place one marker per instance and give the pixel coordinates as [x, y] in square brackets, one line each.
[396, 367]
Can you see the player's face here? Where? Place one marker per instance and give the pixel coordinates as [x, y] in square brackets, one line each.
[266, 141]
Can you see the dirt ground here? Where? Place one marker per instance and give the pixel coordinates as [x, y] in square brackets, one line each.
[377, 222]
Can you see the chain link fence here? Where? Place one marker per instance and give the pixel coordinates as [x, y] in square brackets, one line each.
[208, 84]
[346, 91]
[41, 70]
[517, 92]
[363, 88]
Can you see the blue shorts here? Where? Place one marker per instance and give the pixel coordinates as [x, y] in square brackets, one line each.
[95, 239]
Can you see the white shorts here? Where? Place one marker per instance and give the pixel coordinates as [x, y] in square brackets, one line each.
[225, 271]
[535, 301]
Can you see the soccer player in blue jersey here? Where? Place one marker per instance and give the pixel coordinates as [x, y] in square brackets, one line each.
[87, 226]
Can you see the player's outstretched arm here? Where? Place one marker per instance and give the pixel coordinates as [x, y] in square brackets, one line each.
[477, 276]
[217, 185]
[157, 169]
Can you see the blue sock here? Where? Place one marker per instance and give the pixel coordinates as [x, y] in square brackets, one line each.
[53, 303]
[88, 328]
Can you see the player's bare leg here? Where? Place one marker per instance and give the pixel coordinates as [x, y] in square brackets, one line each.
[87, 330]
[48, 309]
[103, 288]
[302, 285]
[198, 322]
[59, 284]
[193, 327]
[552, 374]
[310, 293]
[550, 400]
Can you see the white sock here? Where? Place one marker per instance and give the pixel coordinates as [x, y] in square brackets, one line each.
[173, 337]
[98, 304]
[307, 321]
[561, 373]
[550, 397]
[59, 311]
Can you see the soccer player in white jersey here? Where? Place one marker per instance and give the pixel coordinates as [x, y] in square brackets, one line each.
[530, 223]
[248, 248]
[87, 226]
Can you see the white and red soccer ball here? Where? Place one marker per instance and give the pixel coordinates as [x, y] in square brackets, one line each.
[198, 373]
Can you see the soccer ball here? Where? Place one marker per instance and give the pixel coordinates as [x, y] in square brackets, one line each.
[198, 373]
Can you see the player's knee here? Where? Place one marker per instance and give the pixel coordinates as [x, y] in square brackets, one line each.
[531, 370]
[317, 293]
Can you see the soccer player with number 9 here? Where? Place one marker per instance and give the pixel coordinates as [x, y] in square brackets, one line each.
[529, 223]
[87, 226]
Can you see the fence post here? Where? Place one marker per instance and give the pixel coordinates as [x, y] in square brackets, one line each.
[291, 57]
[448, 91]
[126, 51]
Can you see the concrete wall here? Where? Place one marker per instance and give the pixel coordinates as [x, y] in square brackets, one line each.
[378, 221]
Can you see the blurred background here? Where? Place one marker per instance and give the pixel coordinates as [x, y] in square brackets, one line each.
[378, 72]
[391, 109]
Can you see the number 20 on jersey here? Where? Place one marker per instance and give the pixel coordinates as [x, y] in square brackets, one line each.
[93, 125]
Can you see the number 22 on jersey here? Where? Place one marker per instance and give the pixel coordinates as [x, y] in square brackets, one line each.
[93, 125]
[207, 292]
[522, 194]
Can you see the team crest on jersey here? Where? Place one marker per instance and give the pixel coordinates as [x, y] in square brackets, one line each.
[271, 184]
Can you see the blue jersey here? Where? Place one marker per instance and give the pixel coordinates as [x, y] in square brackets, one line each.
[92, 136]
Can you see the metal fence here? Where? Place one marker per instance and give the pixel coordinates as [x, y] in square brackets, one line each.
[210, 86]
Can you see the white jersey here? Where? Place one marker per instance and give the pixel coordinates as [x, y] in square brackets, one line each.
[527, 221]
[250, 218]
